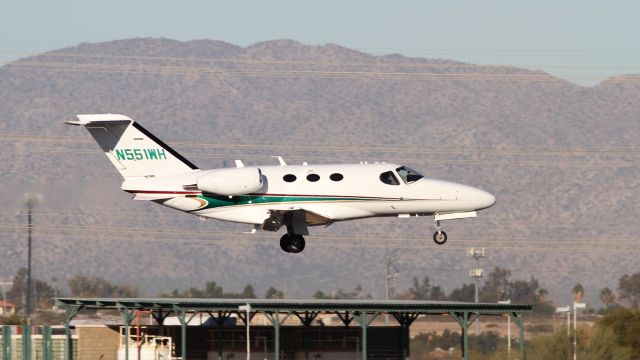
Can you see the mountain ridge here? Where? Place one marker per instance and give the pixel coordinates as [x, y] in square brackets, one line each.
[548, 148]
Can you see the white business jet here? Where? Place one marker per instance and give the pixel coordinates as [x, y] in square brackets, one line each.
[270, 197]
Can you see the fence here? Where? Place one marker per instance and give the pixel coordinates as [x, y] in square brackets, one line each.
[33, 343]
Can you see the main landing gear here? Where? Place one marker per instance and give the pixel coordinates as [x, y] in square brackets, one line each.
[439, 237]
[292, 243]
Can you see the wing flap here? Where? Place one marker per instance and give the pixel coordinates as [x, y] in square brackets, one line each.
[296, 220]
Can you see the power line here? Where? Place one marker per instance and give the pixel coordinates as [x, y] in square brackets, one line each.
[358, 159]
[531, 151]
[160, 232]
[214, 241]
[181, 70]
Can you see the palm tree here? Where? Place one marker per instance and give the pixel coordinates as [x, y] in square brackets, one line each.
[542, 294]
[607, 297]
[578, 292]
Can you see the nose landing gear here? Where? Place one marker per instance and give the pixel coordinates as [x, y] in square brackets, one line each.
[292, 243]
[439, 237]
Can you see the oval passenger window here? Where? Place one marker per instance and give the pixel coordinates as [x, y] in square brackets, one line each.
[289, 178]
[336, 177]
[313, 177]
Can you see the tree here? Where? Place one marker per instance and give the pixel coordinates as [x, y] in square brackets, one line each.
[465, 293]
[356, 293]
[603, 345]
[607, 297]
[248, 292]
[542, 294]
[437, 294]
[578, 292]
[420, 291]
[273, 293]
[525, 291]
[319, 295]
[212, 290]
[629, 289]
[496, 286]
[529, 292]
[625, 324]
[83, 286]
[42, 292]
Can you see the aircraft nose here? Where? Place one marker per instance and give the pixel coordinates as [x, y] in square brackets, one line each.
[481, 199]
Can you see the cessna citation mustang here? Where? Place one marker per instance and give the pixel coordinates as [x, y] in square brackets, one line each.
[270, 197]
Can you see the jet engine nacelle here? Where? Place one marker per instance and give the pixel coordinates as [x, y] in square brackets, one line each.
[230, 182]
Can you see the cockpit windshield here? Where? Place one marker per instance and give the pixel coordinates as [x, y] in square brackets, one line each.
[408, 175]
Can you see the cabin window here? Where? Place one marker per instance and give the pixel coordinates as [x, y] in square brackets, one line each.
[289, 178]
[313, 177]
[336, 177]
[389, 179]
[408, 175]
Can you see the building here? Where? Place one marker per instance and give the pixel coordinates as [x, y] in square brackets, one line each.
[223, 334]
[7, 308]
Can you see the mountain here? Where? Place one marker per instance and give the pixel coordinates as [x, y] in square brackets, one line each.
[561, 158]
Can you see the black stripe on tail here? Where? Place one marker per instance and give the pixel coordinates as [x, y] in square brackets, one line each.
[165, 146]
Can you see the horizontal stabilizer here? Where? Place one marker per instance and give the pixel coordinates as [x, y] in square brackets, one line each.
[142, 196]
[99, 118]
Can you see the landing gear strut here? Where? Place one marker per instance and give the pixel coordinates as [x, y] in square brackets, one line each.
[292, 243]
[439, 237]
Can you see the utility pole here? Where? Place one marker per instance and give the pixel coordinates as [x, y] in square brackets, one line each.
[30, 200]
[390, 283]
[477, 273]
[508, 302]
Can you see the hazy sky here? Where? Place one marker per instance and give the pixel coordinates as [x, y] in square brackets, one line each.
[578, 39]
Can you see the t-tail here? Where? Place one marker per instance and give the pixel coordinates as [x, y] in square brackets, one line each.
[134, 151]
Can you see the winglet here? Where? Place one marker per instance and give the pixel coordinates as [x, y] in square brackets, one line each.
[239, 164]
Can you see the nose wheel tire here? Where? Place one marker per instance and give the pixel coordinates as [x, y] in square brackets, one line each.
[292, 243]
[440, 237]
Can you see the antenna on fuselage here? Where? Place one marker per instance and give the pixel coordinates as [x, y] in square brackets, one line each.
[280, 160]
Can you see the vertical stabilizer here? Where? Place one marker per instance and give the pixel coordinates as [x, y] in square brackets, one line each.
[133, 150]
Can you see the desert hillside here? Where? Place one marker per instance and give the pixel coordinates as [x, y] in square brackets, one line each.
[562, 160]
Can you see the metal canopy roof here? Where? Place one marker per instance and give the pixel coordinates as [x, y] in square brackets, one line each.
[363, 311]
[284, 305]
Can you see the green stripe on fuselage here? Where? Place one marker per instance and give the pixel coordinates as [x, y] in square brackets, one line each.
[216, 201]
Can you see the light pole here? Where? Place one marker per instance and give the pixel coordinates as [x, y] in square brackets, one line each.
[4, 296]
[508, 302]
[247, 308]
[390, 278]
[477, 273]
[576, 306]
[30, 200]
